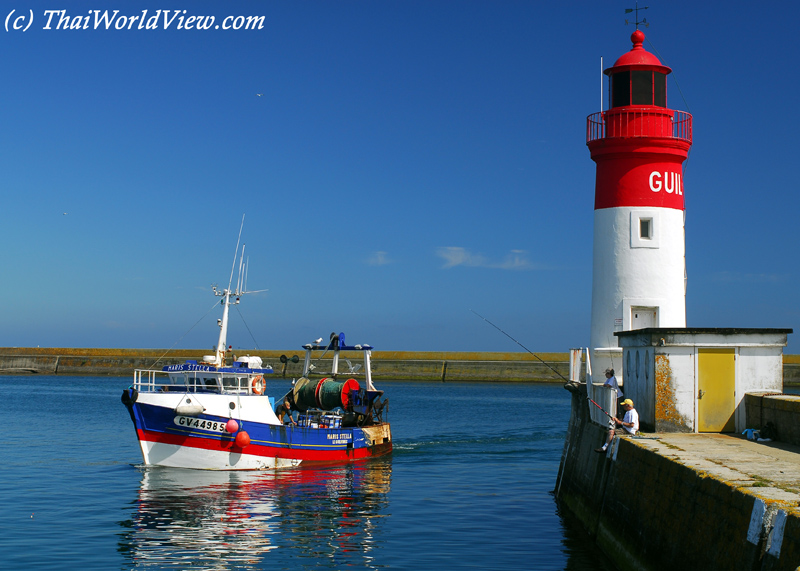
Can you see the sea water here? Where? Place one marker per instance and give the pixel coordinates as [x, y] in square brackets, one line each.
[468, 486]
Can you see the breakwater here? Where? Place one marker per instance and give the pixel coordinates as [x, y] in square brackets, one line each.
[396, 365]
[676, 500]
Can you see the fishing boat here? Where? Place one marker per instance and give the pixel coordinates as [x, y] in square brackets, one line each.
[216, 415]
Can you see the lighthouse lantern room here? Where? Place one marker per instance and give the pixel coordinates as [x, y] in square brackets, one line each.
[639, 146]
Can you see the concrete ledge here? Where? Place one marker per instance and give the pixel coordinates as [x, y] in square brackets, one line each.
[668, 501]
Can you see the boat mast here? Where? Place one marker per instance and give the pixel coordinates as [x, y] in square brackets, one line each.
[223, 327]
[226, 302]
[226, 294]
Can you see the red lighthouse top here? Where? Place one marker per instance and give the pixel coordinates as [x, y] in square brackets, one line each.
[638, 57]
[638, 143]
[638, 77]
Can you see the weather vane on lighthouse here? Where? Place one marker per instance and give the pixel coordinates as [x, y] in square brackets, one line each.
[636, 11]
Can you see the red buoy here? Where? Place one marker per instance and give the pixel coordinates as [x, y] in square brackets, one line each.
[231, 426]
[242, 439]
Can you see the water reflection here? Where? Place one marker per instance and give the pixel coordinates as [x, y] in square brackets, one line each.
[250, 520]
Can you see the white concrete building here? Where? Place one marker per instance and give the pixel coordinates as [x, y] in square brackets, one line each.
[695, 379]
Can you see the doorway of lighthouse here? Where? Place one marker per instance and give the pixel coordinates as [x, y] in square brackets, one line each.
[642, 317]
[716, 384]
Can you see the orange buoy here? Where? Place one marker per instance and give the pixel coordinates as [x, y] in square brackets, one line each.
[242, 439]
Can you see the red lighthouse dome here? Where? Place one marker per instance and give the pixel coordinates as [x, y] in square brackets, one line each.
[638, 56]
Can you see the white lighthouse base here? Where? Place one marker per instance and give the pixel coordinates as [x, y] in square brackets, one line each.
[638, 277]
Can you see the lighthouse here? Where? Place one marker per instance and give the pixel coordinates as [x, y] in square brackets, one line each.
[639, 263]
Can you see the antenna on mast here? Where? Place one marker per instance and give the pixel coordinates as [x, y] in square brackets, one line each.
[233, 266]
[239, 283]
[642, 22]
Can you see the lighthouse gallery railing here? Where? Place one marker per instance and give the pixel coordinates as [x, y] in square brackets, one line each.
[639, 123]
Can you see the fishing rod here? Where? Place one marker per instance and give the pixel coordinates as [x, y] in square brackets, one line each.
[601, 408]
[520, 344]
[537, 356]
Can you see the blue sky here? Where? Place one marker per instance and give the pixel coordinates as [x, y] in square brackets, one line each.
[406, 162]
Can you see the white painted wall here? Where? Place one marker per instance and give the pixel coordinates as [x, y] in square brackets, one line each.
[759, 367]
[629, 272]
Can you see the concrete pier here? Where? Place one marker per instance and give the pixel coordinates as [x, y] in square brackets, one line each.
[677, 500]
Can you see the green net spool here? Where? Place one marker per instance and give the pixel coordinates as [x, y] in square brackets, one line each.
[333, 394]
[326, 394]
[305, 394]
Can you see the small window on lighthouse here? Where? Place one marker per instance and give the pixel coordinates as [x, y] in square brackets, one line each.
[646, 228]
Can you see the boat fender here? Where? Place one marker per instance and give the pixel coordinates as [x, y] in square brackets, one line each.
[189, 409]
[258, 384]
[242, 439]
[129, 396]
[231, 426]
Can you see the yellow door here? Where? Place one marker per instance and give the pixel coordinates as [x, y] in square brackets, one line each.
[716, 399]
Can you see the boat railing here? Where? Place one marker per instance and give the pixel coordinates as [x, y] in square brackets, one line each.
[149, 381]
[316, 418]
[146, 380]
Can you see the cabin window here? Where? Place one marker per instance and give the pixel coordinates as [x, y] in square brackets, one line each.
[234, 383]
[193, 382]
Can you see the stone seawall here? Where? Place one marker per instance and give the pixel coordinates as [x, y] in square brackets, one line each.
[791, 370]
[394, 365]
[682, 501]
